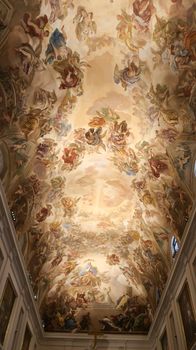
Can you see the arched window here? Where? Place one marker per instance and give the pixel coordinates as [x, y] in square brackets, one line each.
[174, 246]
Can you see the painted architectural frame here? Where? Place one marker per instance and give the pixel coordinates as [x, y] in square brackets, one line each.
[164, 341]
[6, 307]
[194, 267]
[187, 315]
[27, 338]
[1, 259]
[173, 331]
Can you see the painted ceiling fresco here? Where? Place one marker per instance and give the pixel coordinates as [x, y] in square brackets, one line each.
[93, 92]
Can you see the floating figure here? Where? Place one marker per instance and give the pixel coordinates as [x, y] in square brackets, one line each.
[35, 27]
[143, 11]
[70, 74]
[128, 75]
[70, 155]
[57, 48]
[107, 324]
[85, 322]
[69, 205]
[177, 9]
[94, 137]
[25, 44]
[70, 70]
[44, 213]
[85, 25]
[157, 166]
[55, 10]
[119, 133]
[59, 9]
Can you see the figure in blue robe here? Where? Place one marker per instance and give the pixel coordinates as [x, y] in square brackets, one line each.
[56, 41]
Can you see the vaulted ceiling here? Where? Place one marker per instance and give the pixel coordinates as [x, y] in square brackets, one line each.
[97, 115]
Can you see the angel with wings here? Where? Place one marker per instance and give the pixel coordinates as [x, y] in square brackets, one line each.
[85, 24]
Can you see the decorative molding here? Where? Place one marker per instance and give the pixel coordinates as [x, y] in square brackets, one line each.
[12, 249]
[185, 172]
[188, 244]
[63, 341]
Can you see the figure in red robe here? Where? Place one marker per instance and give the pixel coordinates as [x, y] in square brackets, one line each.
[143, 11]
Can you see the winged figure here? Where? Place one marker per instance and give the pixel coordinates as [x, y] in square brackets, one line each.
[85, 24]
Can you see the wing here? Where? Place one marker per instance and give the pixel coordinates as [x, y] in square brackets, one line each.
[117, 74]
[94, 27]
[78, 17]
[104, 134]
[78, 32]
[102, 146]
